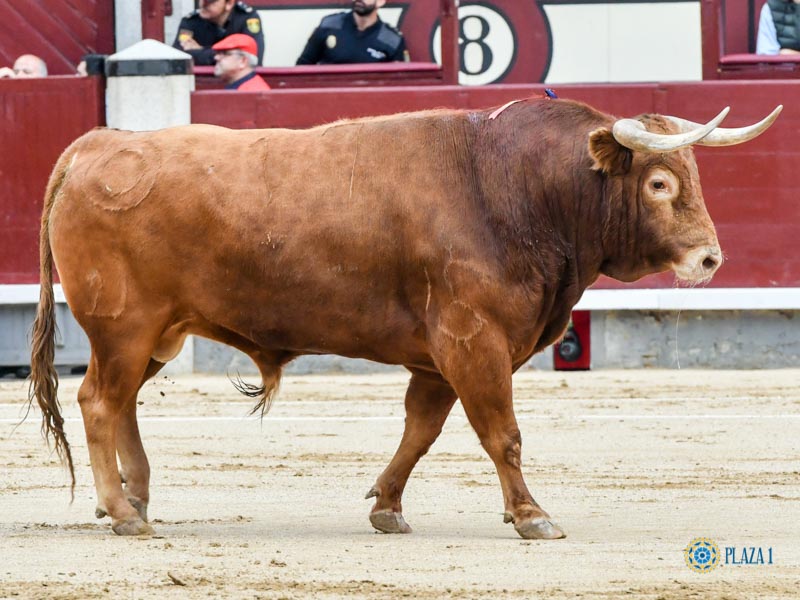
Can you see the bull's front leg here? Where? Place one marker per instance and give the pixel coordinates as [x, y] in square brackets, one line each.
[479, 369]
[428, 402]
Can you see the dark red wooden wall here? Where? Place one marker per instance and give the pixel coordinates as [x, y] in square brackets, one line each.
[58, 31]
[39, 118]
[741, 25]
[750, 189]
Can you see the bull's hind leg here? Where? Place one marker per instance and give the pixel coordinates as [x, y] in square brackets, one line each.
[428, 402]
[108, 390]
[480, 371]
[134, 466]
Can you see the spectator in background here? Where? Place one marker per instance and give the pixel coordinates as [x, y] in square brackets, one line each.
[357, 36]
[236, 59]
[778, 28]
[212, 22]
[25, 67]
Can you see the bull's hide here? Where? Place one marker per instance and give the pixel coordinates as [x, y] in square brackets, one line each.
[454, 243]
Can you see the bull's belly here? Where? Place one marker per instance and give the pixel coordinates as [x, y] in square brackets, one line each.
[300, 329]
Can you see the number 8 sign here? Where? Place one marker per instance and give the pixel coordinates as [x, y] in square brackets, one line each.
[486, 43]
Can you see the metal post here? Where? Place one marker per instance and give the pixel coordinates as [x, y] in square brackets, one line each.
[448, 11]
[712, 37]
[149, 87]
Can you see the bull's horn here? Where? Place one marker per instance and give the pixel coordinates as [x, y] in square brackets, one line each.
[729, 137]
[633, 134]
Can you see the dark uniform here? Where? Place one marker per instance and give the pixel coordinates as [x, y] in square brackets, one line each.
[337, 40]
[243, 19]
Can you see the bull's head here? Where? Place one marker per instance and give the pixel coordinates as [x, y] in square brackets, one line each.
[653, 172]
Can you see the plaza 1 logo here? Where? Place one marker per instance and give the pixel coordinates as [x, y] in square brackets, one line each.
[486, 42]
[702, 555]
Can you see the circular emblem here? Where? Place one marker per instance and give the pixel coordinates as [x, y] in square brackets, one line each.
[330, 41]
[486, 42]
[701, 555]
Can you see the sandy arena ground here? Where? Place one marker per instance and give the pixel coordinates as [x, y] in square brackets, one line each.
[633, 464]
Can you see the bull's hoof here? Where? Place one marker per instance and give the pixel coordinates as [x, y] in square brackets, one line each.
[139, 505]
[389, 521]
[100, 512]
[131, 526]
[539, 529]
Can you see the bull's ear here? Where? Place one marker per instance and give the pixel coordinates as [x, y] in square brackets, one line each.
[609, 155]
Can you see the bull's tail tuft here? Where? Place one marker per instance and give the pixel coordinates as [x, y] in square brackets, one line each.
[265, 393]
[44, 378]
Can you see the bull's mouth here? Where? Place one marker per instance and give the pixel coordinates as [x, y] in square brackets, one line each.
[699, 265]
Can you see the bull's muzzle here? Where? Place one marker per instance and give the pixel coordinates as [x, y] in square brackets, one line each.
[699, 265]
[712, 261]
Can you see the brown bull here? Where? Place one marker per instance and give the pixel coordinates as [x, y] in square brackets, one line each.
[453, 243]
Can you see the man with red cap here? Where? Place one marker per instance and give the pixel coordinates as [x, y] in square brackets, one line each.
[236, 60]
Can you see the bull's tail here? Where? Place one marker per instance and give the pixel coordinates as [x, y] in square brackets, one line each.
[44, 378]
[264, 393]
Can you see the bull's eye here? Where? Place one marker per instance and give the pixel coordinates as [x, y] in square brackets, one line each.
[661, 185]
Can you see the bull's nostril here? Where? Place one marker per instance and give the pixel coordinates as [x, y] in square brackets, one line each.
[709, 263]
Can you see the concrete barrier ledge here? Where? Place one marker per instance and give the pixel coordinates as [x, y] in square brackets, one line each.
[630, 299]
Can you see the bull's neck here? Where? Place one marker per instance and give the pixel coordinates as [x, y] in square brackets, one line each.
[547, 208]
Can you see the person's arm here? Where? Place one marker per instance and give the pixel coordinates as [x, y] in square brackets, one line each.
[259, 37]
[400, 53]
[250, 25]
[202, 56]
[184, 40]
[767, 41]
[312, 53]
[179, 37]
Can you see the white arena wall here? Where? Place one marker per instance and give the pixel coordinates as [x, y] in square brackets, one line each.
[598, 42]
[730, 328]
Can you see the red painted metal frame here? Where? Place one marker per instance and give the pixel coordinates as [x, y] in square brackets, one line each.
[320, 76]
[153, 13]
[414, 73]
[728, 48]
[448, 16]
[418, 21]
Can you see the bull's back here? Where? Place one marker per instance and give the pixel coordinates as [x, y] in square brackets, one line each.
[202, 219]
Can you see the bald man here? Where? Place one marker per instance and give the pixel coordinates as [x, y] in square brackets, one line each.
[25, 67]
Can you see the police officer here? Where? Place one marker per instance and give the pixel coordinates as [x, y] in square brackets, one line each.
[358, 36]
[213, 21]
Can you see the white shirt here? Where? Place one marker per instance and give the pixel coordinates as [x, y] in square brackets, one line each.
[767, 41]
